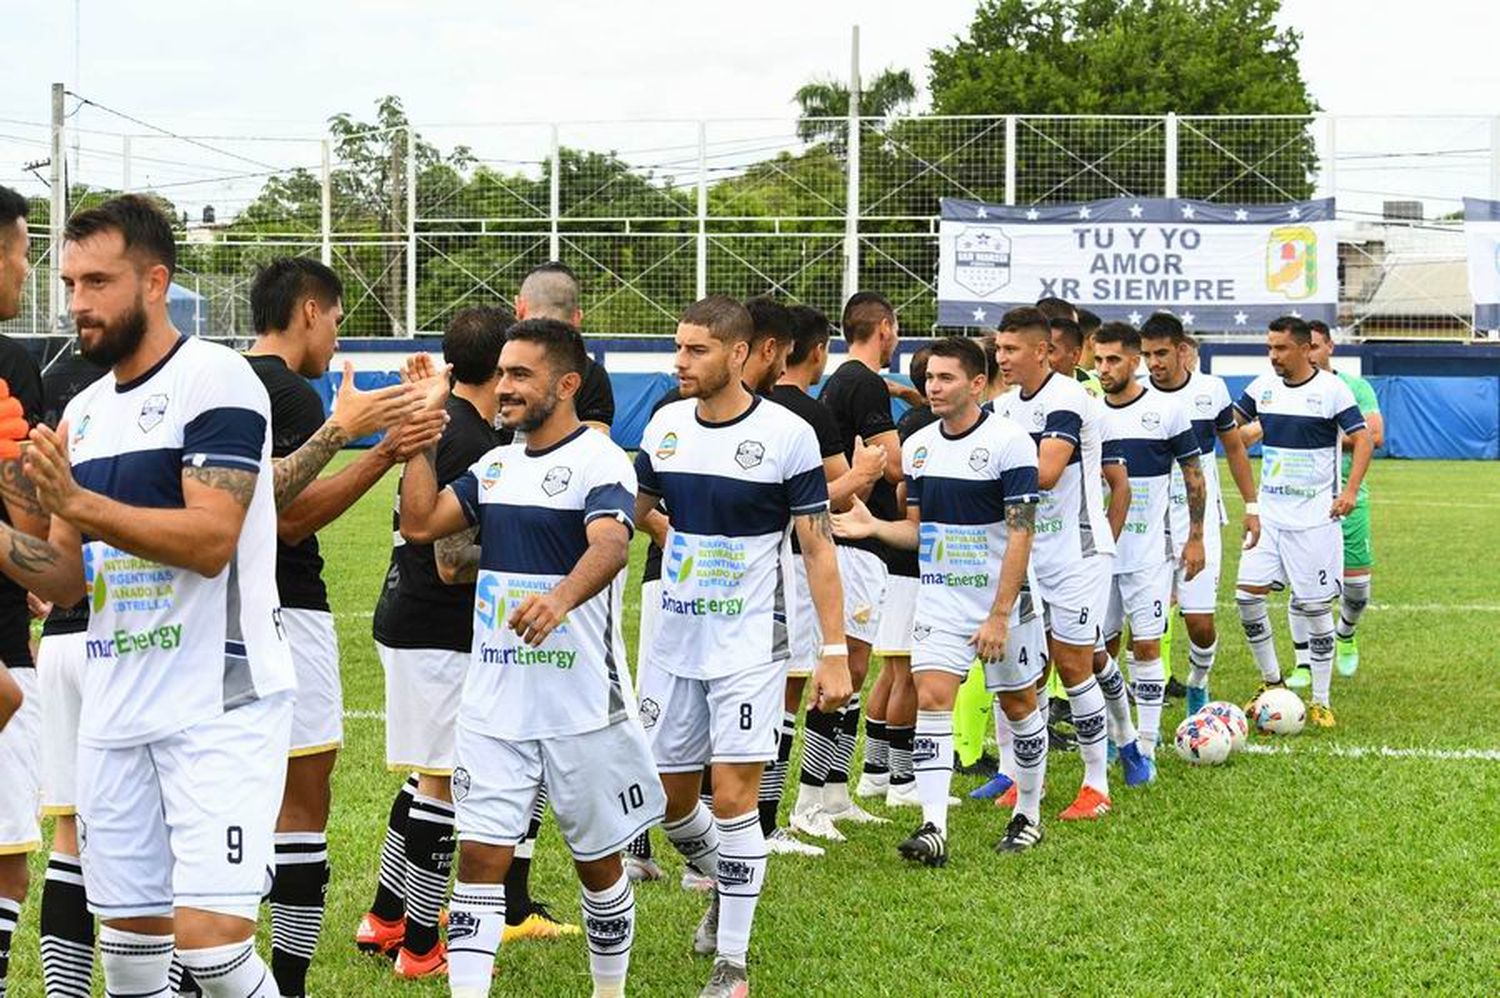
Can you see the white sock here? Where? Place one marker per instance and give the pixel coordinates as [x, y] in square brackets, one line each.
[932, 761]
[232, 971]
[1257, 623]
[1031, 762]
[742, 872]
[1087, 702]
[134, 964]
[1319, 622]
[1352, 605]
[1005, 741]
[609, 925]
[1150, 696]
[697, 838]
[1297, 624]
[476, 919]
[1116, 704]
[1201, 660]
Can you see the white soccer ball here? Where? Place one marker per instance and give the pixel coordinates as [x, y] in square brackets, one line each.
[1233, 718]
[1203, 740]
[1278, 711]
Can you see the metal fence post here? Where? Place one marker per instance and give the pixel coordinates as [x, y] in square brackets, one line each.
[702, 249]
[1328, 174]
[411, 232]
[58, 214]
[325, 198]
[1010, 159]
[554, 201]
[851, 209]
[1171, 164]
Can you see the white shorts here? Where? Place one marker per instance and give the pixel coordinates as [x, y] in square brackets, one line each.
[898, 616]
[806, 632]
[1076, 600]
[187, 820]
[60, 661]
[650, 613]
[20, 767]
[1200, 594]
[422, 689]
[693, 722]
[318, 715]
[1144, 597]
[1310, 562]
[602, 787]
[864, 577]
[946, 651]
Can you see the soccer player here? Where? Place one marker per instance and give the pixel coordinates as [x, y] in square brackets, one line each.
[891, 710]
[1152, 435]
[20, 705]
[1067, 353]
[1074, 551]
[164, 468]
[1302, 410]
[551, 291]
[296, 305]
[547, 697]
[1206, 401]
[971, 496]
[861, 405]
[735, 471]
[1088, 324]
[807, 333]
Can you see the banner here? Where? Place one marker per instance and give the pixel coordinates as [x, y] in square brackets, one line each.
[1230, 267]
[1482, 233]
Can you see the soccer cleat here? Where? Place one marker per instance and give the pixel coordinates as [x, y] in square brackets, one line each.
[926, 845]
[1347, 658]
[1197, 699]
[1139, 768]
[1320, 715]
[641, 868]
[1009, 799]
[413, 966]
[994, 787]
[1059, 740]
[979, 767]
[692, 880]
[1250, 704]
[1087, 806]
[706, 935]
[815, 822]
[1111, 752]
[539, 923]
[1300, 679]
[872, 785]
[851, 811]
[729, 980]
[783, 842]
[376, 935]
[1020, 835]
[1175, 690]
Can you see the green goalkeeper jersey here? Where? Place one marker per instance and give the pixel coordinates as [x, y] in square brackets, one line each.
[1364, 397]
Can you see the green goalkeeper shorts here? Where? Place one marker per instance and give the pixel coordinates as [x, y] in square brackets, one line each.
[1359, 552]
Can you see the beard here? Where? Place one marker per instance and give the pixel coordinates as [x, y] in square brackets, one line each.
[707, 385]
[117, 340]
[534, 415]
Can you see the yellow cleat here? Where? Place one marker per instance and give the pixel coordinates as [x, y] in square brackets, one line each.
[539, 925]
[1250, 704]
[1320, 715]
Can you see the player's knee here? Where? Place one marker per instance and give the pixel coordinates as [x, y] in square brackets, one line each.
[1147, 649]
[1200, 628]
[434, 786]
[600, 874]
[479, 863]
[14, 876]
[1018, 705]
[65, 835]
[196, 928]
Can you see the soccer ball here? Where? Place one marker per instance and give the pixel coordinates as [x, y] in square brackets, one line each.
[1278, 711]
[1233, 718]
[1203, 740]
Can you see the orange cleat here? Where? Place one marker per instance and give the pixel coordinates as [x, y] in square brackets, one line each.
[413, 966]
[1008, 799]
[1089, 805]
[376, 935]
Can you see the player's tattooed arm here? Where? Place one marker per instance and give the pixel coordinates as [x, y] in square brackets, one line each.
[297, 470]
[821, 523]
[31, 554]
[237, 483]
[1197, 493]
[457, 557]
[19, 493]
[1020, 516]
[1020, 523]
[52, 567]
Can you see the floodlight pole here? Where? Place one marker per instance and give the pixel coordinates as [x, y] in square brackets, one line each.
[554, 200]
[851, 208]
[58, 214]
[411, 232]
[1171, 161]
[325, 200]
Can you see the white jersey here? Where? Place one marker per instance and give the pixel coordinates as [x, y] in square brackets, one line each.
[1205, 399]
[1299, 464]
[732, 489]
[169, 648]
[532, 509]
[1070, 521]
[962, 486]
[1153, 434]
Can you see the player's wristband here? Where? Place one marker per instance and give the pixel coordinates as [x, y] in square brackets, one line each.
[1252, 509]
[835, 651]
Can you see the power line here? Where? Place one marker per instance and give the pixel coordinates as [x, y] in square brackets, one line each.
[168, 132]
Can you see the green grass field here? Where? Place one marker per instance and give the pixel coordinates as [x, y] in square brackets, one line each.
[1365, 860]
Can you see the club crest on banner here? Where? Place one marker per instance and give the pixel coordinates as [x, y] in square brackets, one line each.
[981, 261]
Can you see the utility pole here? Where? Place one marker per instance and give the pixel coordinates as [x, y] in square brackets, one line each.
[57, 216]
[851, 208]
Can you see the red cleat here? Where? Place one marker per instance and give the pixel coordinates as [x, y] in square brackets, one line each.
[1089, 805]
[376, 935]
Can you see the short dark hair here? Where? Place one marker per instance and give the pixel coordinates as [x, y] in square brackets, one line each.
[1118, 332]
[13, 207]
[918, 369]
[863, 313]
[473, 339]
[562, 344]
[1025, 318]
[968, 353]
[809, 330]
[138, 220]
[1056, 308]
[1163, 326]
[1300, 331]
[1071, 334]
[1088, 322]
[723, 316]
[281, 285]
[1319, 326]
[770, 319]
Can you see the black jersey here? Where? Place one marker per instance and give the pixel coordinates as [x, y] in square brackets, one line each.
[816, 415]
[68, 375]
[903, 562]
[417, 609]
[296, 414]
[595, 400]
[861, 406]
[25, 380]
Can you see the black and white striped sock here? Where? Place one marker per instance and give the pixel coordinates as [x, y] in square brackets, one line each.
[67, 931]
[843, 751]
[640, 846]
[390, 893]
[297, 898]
[10, 913]
[1356, 596]
[609, 925]
[901, 736]
[1256, 621]
[773, 778]
[429, 857]
[820, 734]
[877, 748]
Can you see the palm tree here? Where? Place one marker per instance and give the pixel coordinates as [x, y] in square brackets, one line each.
[825, 104]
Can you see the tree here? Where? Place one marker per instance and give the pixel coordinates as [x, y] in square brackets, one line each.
[825, 103]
